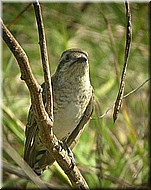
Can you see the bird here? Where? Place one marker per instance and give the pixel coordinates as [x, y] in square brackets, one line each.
[73, 103]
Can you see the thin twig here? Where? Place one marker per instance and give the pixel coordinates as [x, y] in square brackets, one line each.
[45, 63]
[119, 98]
[125, 96]
[105, 113]
[131, 92]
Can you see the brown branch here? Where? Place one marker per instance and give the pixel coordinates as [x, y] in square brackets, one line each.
[42, 118]
[119, 98]
[45, 63]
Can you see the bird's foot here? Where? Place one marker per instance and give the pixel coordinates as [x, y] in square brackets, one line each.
[69, 151]
[65, 146]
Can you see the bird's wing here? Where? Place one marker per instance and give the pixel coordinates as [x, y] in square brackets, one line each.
[35, 153]
[73, 138]
[30, 133]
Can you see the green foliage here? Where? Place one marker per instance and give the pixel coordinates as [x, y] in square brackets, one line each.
[107, 154]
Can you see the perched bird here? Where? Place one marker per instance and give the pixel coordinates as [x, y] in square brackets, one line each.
[73, 107]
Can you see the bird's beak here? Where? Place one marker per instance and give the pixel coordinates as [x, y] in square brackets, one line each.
[82, 59]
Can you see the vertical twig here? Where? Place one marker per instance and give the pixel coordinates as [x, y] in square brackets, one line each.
[127, 49]
[45, 63]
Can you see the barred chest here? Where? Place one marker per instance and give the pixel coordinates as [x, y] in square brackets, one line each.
[70, 103]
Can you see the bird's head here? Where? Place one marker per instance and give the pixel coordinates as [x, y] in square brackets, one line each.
[73, 61]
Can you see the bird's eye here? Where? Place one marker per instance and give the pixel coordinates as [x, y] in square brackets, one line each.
[67, 58]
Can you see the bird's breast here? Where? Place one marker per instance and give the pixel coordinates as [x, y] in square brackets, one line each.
[69, 107]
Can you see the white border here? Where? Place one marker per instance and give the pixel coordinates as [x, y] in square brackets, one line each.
[42, 1]
[1, 137]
